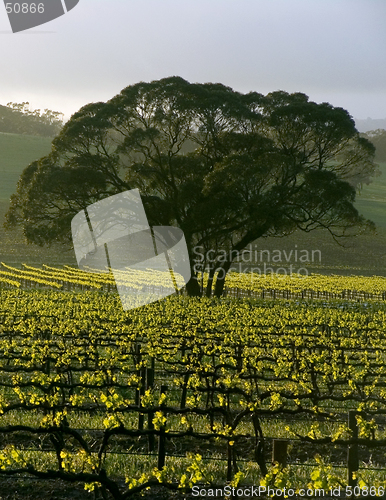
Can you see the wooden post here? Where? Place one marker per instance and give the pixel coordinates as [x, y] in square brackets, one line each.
[352, 449]
[141, 416]
[184, 391]
[279, 452]
[229, 464]
[239, 358]
[139, 389]
[162, 438]
[137, 360]
[150, 415]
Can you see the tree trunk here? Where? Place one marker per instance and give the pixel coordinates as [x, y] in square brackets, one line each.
[221, 275]
[209, 285]
[223, 269]
[193, 288]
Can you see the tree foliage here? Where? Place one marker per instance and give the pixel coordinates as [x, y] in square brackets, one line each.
[225, 167]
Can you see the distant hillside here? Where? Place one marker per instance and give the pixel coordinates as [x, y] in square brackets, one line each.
[16, 153]
[370, 124]
[19, 119]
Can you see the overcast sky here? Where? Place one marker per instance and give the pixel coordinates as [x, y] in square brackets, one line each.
[332, 50]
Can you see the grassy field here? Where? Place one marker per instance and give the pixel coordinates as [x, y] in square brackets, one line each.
[372, 199]
[364, 254]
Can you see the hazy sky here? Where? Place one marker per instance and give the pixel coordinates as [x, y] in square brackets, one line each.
[332, 50]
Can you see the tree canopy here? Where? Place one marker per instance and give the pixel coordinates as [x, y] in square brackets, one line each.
[225, 167]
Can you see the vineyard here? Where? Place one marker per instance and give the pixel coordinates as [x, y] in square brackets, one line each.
[189, 391]
[237, 284]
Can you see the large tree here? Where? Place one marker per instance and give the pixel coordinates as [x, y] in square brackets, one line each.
[225, 167]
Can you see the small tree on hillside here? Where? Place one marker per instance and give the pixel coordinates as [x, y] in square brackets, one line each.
[378, 139]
